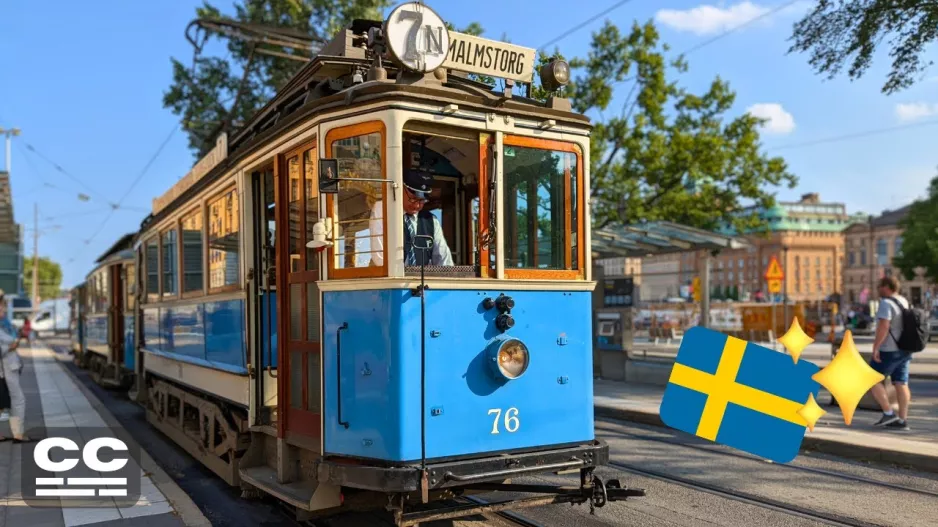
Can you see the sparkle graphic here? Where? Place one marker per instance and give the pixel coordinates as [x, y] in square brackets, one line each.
[795, 340]
[848, 377]
[811, 412]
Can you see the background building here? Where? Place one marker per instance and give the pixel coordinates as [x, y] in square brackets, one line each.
[11, 242]
[870, 248]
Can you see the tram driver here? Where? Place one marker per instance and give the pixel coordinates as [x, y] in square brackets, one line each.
[417, 221]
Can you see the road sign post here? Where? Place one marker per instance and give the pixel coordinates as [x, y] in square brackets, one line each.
[773, 277]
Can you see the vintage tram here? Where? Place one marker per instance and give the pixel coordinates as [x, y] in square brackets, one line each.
[377, 294]
[104, 309]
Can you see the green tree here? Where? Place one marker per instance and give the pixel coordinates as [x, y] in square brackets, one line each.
[920, 237]
[50, 277]
[220, 93]
[840, 33]
[670, 154]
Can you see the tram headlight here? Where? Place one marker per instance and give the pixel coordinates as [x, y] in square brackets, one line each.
[509, 358]
[555, 74]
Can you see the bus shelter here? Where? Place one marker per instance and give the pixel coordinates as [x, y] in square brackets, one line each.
[612, 298]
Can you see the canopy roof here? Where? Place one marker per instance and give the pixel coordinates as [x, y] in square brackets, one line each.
[9, 230]
[660, 237]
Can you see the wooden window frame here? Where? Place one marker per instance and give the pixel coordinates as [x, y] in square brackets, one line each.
[151, 298]
[556, 274]
[197, 210]
[348, 132]
[303, 275]
[163, 295]
[232, 187]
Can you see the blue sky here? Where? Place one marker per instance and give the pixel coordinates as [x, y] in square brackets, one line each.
[85, 81]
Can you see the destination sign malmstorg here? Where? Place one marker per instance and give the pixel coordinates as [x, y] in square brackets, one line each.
[482, 56]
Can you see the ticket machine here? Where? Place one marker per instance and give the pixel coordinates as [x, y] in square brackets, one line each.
[612, 323]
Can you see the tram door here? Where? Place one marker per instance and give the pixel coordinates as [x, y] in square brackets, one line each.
[263, 301]
[300, 393]
[116, 321]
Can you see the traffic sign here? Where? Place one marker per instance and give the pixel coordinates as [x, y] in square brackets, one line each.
[775, 286]
[696, 287]
[774, 272]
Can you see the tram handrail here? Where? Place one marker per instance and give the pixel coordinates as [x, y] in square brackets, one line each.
[338, 372]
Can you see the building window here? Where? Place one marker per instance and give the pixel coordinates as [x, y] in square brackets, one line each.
[881, 257]
[192, 251]
[897, 246]
[223, 240]
[862, 256]
[170, 258]
[153, 270]
[851, 256]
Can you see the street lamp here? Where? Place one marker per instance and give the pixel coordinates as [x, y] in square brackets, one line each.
[9, 133]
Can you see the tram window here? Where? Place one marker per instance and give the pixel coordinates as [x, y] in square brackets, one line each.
[170, 259]
[270, 232]
[153, 270]
[359, 210]
[311, 184]
[223, 240]
[130, 279]
[539, 204]
[192, 252]
[294, 170]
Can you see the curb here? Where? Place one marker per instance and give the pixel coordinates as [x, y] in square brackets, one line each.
[922, 462]
[184, 507]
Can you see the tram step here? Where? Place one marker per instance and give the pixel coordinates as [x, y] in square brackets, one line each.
[302, 494]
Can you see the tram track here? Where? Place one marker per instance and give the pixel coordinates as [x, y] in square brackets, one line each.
[745, 497]
[811, 470]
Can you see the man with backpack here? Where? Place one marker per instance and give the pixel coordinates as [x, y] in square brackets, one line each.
[899, 334]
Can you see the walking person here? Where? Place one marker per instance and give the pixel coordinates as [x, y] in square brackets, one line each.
[11, 367]
[888, 359]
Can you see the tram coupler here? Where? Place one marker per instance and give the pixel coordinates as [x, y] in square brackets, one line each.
[615, 491]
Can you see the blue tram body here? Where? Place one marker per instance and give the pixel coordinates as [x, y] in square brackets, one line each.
[209, 334]
[472, 411]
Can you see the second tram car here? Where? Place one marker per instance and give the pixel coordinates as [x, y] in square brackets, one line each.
[105, 343]
[377, 294]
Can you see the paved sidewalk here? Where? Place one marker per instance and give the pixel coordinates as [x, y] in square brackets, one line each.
[924, 364]
[54, 399]
[917, 447]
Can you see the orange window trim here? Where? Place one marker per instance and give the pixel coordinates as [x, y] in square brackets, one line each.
[483, 228]
[557, 274]
[233, 187]
[347, 132]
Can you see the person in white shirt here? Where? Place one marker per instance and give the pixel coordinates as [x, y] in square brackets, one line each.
[11, 367]
[888, 359]
[417, 222]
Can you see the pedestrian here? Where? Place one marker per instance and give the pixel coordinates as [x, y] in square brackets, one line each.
[11, 368]
[888, 359]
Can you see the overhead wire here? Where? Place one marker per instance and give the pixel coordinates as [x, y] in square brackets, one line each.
[64, 172]
[581, 25]
[856, 135]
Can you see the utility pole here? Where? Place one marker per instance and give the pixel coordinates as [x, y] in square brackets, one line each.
[35, 292]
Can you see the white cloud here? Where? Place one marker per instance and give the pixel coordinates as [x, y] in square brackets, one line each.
[711, 19]
[915, 110]
[707, 19]
[779, 122]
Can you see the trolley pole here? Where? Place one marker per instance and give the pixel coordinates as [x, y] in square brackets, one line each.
[35, 291]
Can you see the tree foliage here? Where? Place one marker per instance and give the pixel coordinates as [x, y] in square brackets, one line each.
[920, 237]
[220, 93]
[839, 33]
[50, 277]
[669, 154]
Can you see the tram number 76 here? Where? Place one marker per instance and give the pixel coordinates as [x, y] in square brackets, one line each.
[511, 419]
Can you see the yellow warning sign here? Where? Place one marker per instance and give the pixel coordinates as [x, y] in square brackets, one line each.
[774, 272]
[775, 286]
[696, 287]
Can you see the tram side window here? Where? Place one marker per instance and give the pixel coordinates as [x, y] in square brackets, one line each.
[170, 259]
[223, 239]
[540, 209]
[192, 252]
[359, 209]
[130, 281]
[153, 270]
